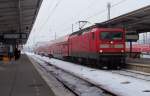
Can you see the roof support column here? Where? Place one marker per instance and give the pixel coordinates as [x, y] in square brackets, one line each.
[19, 15]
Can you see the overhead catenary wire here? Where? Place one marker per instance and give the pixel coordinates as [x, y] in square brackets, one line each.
[50, 15]
[40, 28]
[81, 11]
[46, 2]
[118, 3]
[39, 22]
[104, 10]
[101, 12]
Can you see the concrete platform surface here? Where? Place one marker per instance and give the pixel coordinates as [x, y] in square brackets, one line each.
[139, 60]
[20, 78]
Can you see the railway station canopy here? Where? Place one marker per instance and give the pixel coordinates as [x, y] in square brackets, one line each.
[138, 20]
[16, 19]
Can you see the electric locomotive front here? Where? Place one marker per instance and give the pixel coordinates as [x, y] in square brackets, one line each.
[111, 47]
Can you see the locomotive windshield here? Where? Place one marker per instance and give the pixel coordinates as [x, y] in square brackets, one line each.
[111, 35]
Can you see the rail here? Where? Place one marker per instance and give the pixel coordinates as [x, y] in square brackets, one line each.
[139, 67]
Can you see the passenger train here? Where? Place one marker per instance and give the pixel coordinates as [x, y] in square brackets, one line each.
[102, 46]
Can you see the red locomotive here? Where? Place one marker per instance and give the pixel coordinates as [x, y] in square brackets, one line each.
[104, 47]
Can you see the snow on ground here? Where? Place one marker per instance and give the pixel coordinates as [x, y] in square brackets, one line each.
[118, 84]
[79, 86]
[135, 74]
[57, 87]
[145, 56]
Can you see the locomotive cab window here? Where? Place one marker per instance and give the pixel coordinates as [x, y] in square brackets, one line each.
[111, 35]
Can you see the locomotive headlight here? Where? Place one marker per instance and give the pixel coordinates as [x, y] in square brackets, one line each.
[111, 42]
[118, 46]
[122, 51]
[101, 51]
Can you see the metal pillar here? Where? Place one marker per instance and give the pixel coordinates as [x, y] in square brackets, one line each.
[130, 48]
[72, 28]
[108, 7]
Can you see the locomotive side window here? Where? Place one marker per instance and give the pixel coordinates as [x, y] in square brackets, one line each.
[93, 36]
[111, 35]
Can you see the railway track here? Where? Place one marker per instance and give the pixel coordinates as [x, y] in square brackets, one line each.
[134, 74]
[124, 80]
[76, 85]
[139, 67]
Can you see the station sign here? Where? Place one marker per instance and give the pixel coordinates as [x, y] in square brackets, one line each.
[132, 36]
[11, 36]
[15, 36]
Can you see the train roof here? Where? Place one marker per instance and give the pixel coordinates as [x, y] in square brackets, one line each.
[39, 44]
[60, 40]
[96, 25]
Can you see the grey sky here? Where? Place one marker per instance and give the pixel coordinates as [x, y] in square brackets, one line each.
[58, 15]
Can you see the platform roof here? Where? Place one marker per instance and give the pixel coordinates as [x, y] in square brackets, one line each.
[138, 20]
[18, 16]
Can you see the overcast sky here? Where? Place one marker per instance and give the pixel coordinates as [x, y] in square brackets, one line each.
[57, 16]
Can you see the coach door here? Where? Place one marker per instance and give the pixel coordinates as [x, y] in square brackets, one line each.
[92, 42]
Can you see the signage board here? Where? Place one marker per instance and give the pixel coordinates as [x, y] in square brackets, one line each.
[11, 36]
[133, 37]
[15, 36]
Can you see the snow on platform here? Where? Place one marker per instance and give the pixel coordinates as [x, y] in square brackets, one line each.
[115, 83]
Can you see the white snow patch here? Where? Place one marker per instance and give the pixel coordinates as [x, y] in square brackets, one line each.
[118, 84]
[145, 56]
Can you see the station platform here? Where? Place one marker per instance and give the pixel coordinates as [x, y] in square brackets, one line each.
[143, 61]
[138, 64]
[20, 78]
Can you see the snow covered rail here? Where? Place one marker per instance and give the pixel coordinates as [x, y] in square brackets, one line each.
[139, 67]
[134, 74]
[115, 83]
[76, 85]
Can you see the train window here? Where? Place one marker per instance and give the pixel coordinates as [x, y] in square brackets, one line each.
[93, 36]
[111, 35]
[64, 45]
